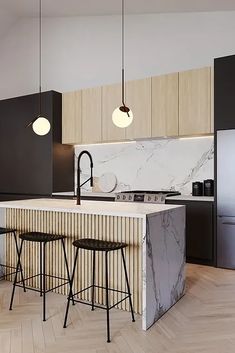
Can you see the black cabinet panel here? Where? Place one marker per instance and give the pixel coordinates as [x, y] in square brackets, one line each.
[32, 164]
[199, 231]
[13, 197]
[224, 92]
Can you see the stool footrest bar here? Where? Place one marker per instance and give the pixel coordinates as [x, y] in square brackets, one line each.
[100, 306]
[95, 305]
[8, 266]
[18, 284]
[91, 286]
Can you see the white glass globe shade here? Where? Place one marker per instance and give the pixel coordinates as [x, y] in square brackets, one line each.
[121, 119]
[41, 126]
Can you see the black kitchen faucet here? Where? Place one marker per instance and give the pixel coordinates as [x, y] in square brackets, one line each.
[78, 175]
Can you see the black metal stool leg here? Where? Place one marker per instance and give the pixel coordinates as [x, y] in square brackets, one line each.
[15, 280]
[70, 289]
[20, 267]
[44, 281]
[107, 294]
[40, 267]
[67, 266]
[128, 286]
[93, 283]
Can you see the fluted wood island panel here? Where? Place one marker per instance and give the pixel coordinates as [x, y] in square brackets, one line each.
[75, 226]
[154, 234]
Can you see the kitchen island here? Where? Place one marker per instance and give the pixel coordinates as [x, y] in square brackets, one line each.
[155, 234]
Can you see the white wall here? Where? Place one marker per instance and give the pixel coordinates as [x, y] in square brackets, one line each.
[85, 51]
[7, 20]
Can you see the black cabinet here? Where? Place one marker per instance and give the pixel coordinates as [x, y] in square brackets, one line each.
[13, 197]
[224, 92]
[32, 164]
[199, 231]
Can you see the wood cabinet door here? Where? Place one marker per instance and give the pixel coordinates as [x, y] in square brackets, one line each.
[165, 103]
[91, 115]
[195, 101]
[138, 99]
[72, 117]
[111, 99]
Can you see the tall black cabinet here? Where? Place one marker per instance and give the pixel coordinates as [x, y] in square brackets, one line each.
[224, 92]
[32, 164]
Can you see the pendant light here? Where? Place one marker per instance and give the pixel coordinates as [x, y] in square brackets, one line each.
[40, 125]
[122, 116]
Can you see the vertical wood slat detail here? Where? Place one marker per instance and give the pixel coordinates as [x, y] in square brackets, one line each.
[75, 226]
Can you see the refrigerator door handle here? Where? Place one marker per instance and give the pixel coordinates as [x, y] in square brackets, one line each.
[229, 223]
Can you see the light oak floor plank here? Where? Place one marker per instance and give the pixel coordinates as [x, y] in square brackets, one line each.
[203, 321]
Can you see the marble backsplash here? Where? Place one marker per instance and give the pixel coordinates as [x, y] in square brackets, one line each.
[152, 164]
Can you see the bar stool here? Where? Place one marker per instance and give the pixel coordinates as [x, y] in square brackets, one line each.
[43, 239]
[104, 246]
[4, 231]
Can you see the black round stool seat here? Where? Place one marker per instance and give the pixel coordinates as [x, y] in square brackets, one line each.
[98, 245]
[40, 237]
[6, 230]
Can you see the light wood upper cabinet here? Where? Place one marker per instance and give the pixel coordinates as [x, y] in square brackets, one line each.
[71, 117]
[91, 115]
[111, 99]
[138, 99]
[176, 104]
[195, 102]
[165, 101]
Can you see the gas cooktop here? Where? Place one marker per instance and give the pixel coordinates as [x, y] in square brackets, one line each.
[147, 196]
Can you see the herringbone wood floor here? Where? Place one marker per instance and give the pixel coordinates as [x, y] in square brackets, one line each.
[203, 321]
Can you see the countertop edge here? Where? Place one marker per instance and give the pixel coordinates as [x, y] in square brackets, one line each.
[19, 204]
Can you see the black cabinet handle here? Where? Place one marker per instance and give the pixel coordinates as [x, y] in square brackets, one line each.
[229, 223]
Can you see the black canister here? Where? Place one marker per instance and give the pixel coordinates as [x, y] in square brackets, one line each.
[208, 187]
[197, 188]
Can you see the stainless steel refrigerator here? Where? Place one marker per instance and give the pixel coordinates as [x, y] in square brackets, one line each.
[226, 199]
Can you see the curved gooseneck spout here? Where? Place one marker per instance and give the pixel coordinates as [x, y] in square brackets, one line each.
[79, 173]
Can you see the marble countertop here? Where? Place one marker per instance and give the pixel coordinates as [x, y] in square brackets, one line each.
[86, 193]
[124, 209]
[191, 198]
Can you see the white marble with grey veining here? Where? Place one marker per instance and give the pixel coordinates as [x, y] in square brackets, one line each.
[163, 264]
[191, 198]
[153, 164]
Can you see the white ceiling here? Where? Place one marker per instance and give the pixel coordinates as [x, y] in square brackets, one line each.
[29, 8]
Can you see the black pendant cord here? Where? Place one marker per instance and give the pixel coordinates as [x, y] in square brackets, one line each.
[40, 57]
[40, 66]
[123, 56]
[125, 109]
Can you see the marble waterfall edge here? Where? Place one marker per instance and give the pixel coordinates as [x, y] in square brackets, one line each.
[163, 264]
